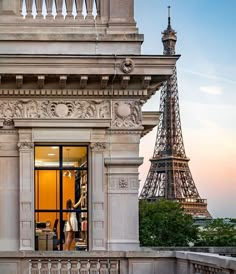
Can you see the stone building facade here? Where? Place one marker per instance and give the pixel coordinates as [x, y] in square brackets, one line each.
[68, 83]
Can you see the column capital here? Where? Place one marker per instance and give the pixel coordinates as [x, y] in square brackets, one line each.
[25, 145]
[98, 146]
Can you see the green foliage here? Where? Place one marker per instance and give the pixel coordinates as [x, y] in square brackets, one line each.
[217, 232]
[164, 223]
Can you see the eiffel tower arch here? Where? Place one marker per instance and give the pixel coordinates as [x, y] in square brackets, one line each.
[169, 175]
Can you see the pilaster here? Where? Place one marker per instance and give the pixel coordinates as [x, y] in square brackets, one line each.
[9, 190]
[26, 151]
[98, 202]
[122, 190]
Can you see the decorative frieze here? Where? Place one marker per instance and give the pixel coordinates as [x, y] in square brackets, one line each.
[72, 109]
[127, 114]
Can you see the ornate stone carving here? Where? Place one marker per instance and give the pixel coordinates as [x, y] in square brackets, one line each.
[8, 123]
[98, 146]
[25, 145]
[123, 183]
[59, 109]
[126, 114]
[127, 66]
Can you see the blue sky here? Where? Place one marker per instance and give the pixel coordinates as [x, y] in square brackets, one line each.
[207, 90]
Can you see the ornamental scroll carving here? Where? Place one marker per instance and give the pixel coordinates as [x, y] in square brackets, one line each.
[127, 114]
[57, 109]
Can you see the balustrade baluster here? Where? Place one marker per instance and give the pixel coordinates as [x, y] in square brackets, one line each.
[114, 267]
[59, 9]
[79, 9]
[94, 267]
[89, 8]
[34, 267]
[69, 7]
[28, 4]
[103, 267]
[39, 4]
[74, 267]
[84, 267]
[44, 267]
[98, 7]
[49, 8]
[54, 267]
[64, 267]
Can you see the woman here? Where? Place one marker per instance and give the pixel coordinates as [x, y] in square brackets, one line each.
[72, 223]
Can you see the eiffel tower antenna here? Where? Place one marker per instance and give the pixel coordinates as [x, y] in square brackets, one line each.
[169, 176]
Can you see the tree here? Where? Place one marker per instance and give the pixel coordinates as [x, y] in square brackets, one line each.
[164, 223]
[217, 232]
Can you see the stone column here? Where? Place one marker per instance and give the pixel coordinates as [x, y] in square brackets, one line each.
[26, 190]
[9, 190]
[98, 235]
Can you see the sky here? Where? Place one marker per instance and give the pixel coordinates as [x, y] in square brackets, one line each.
[206, 71]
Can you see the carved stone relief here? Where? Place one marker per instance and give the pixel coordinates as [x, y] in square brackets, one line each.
[126, 114]
[98, 146]
[59, 109]
[127, 66]
[124, 183]
[25, 145]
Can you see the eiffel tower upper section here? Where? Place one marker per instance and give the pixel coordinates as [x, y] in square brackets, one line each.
[169, 176]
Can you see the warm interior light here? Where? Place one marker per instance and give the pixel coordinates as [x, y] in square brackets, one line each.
[54, 147]
[51, 154]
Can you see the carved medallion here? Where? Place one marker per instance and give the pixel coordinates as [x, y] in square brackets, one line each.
[126, 114]
[127, 66]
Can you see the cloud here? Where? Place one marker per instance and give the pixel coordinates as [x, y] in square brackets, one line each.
[209, 76]
[213, 90]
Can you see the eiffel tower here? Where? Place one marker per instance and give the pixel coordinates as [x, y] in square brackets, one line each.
[169, 176]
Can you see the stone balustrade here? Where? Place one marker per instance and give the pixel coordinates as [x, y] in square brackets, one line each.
[136, 262]
[79, 9]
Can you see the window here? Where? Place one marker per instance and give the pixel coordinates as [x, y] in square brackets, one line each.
[61, 179]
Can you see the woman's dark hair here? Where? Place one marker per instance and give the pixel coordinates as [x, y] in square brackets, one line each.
[69, 204]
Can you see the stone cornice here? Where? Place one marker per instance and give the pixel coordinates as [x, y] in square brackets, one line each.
[86, 64]
[85, 75]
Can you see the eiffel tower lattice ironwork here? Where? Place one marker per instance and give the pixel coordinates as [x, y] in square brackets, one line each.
[169, 176]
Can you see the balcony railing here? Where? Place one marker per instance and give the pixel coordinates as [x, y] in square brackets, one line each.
[57, 9]
[169, 261]
[74, 266]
